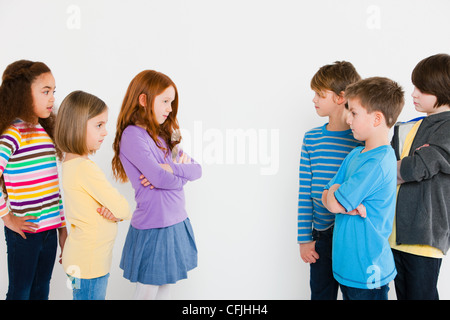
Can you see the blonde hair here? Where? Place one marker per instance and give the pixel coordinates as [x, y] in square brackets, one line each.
[71, 122]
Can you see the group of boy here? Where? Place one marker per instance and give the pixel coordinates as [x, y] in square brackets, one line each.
[371, 209]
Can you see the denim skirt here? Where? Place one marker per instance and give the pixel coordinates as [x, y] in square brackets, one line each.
[159, 256]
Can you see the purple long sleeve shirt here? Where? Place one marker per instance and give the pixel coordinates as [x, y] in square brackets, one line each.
[164, 205]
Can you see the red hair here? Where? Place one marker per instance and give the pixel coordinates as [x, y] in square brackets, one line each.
[151, 83]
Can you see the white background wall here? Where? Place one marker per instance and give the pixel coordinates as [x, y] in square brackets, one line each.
[238, 65]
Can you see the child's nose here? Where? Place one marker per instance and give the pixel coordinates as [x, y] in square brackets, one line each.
[349, 119]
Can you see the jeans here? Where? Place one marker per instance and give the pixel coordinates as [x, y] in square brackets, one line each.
[417, 276]
[322, 282]
[349, 293]
[89, 289]
[30, 264]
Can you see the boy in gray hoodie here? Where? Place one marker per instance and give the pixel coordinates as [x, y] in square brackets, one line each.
[421, 233]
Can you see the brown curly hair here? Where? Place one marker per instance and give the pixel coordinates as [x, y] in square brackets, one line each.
[151, 83]
[16, 100]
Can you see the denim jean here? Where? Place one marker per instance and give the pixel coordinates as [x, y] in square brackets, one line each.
[89, 289]
[30, 264]
[322, 282]
[417, 276]
[349, 293]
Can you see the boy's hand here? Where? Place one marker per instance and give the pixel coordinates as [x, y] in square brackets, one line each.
[359, 211]
[308, 252]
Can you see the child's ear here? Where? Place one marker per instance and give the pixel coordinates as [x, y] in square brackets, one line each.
[379, 118]
[143, 99]
[340, 99]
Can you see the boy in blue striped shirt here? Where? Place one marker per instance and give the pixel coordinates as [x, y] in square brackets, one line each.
[323, 150]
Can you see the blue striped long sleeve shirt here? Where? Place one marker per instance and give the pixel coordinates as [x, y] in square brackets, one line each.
[322, 154]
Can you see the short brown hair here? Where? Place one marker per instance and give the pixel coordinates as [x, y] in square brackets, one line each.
[75, 110]
[378, 94]
[432, 76]
[334, 77]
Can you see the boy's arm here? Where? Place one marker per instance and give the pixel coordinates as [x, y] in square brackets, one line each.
[425, 163]
[330, 202]
[329, 197]
[305, 203]
[429, 159]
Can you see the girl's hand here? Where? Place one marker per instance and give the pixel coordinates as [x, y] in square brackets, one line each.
[62, 236]
[166, 167]
[17, 224]
[145, 182]
[184, 158]
[107, 214]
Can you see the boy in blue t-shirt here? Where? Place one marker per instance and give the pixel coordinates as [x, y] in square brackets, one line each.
[363, 192]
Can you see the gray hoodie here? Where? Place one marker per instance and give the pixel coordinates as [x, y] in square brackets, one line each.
[423, 202]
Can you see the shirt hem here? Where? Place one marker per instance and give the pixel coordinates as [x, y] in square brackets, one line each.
[365, 285]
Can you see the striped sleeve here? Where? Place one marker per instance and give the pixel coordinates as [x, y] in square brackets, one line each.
[305, 205]
[9, 143]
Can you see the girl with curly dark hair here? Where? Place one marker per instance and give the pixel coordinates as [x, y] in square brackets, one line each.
[31, 205]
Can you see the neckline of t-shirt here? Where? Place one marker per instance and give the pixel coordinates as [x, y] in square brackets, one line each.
[335, 133]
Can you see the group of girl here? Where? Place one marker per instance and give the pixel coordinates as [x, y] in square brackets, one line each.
[160, 246]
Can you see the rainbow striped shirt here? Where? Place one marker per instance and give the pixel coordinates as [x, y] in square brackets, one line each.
[28, 165]
[322, 154]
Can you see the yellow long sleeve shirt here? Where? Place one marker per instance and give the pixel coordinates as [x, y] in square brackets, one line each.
[88, 249]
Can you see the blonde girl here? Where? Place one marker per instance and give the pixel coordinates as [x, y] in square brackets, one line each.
[80, 130]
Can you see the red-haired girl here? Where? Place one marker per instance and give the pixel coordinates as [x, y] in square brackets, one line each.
[160, 246]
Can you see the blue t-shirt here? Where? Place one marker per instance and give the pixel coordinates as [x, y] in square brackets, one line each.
[362, 257]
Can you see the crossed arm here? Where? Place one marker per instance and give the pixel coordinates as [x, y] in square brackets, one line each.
[184, 159]
[332, 204]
